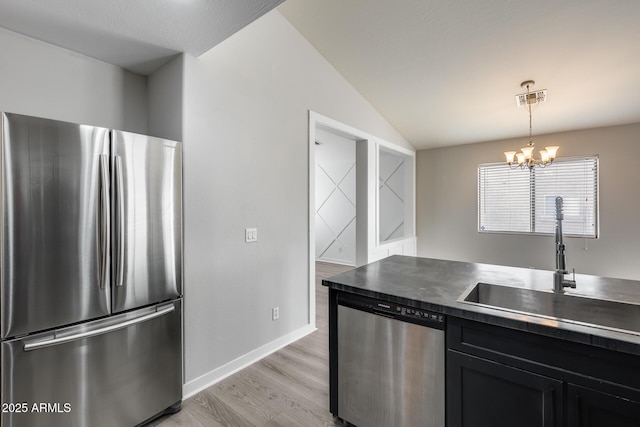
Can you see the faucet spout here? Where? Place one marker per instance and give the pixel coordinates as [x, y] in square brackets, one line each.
[559, 280]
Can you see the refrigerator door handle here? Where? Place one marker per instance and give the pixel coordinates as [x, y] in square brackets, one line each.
[119, 219]
[105, 219]
[35, 345]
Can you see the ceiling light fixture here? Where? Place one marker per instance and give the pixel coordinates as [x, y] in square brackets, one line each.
[525, 158]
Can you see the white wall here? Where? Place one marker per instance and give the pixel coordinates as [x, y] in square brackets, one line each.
[165, 100]
[447, 205]
[335, 198]
[43, 80]
[246, 165]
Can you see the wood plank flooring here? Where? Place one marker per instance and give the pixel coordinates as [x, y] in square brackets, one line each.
[287, 388]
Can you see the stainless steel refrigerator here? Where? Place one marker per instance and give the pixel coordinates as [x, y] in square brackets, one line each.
[90, 274]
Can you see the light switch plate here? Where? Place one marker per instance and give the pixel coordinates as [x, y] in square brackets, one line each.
[250, 235]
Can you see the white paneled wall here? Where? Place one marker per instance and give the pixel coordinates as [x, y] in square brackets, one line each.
[380, 188]
[391, 190]
[335, 198]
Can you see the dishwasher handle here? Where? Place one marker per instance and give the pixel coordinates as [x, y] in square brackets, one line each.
[384, 314]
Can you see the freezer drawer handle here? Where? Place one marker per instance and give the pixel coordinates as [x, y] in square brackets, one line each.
[35, 345]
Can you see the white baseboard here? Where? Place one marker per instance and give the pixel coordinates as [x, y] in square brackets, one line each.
[210, 378]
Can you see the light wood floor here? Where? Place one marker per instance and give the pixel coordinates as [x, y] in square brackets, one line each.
[287, 388]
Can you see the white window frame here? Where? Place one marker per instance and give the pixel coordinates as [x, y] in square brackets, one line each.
[514, 189]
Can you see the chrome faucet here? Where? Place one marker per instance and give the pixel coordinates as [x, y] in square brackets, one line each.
[559, 280]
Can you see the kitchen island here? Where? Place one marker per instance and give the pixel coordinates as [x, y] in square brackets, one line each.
[509, 367]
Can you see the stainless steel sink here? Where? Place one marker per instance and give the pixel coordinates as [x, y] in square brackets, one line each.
[612, 315]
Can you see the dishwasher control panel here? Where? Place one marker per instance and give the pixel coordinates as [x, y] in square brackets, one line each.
[419, 314]
[397, 311]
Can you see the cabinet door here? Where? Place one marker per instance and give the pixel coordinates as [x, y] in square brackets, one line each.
[483, 393]
[591, 408]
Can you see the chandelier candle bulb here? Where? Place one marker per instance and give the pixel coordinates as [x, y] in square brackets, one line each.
[552, 151]
[527, 151]
[510, 156]
[544, 156]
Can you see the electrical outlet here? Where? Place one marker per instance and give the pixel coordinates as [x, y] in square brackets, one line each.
[250, 235]
[275, 313]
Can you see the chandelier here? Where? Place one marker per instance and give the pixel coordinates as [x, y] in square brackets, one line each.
[525, 158]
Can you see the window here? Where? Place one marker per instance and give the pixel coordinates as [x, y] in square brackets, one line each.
[521, 201]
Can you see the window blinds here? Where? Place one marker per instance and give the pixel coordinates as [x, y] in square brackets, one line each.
[523, 201]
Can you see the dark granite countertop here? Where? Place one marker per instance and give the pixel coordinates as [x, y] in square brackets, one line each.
[437, 285]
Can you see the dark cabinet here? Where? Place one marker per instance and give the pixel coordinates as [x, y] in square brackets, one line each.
[498, 376]
[592, 408]
[482, 393]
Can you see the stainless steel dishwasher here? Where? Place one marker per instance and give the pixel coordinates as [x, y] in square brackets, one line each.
[390, 364]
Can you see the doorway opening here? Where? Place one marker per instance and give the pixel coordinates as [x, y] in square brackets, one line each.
[361, 198]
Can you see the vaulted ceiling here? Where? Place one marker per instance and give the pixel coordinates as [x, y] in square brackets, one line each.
[447, 72]
[441, 72]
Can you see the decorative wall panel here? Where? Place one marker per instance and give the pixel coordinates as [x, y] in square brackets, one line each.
[335, 193]
[391, 195]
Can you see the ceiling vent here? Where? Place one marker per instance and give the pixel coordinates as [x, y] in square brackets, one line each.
[533, 97]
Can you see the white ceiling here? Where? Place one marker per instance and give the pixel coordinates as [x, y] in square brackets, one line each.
[447, 72]
[135, 35]
[441, 72]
